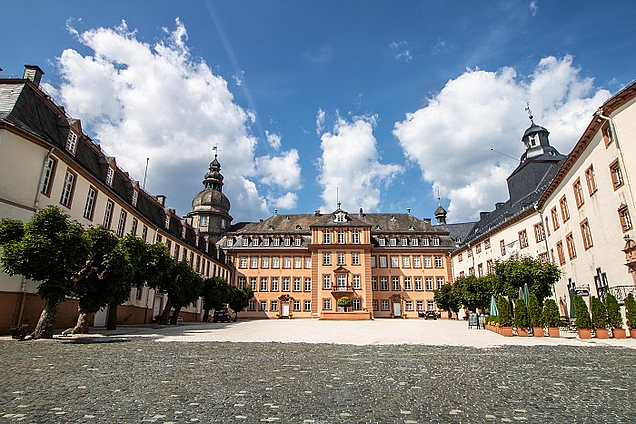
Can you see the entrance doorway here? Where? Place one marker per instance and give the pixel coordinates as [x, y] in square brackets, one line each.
[284, 309]
[100, 317]
[397, 309]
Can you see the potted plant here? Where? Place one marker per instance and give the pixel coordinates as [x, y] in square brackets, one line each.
[614, 317]
[345, 302]
[630, 315]
[505, 317]
[534, 314]
[551, 317]
[521, 317]
[583, 321]
[599, 318]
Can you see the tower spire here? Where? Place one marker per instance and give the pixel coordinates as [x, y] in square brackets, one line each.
[529, 113]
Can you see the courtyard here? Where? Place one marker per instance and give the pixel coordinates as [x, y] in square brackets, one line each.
[407, 371]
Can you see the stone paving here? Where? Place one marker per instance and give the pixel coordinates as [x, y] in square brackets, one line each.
[127, 377]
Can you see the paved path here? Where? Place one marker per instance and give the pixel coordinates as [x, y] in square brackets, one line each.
[411, 372]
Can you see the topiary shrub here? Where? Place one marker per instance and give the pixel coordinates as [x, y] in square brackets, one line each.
[582, 313]
[521, 313]
[505, 314]
[551, 317]
[630, 311]
[534, 311]
[614, 317]
[599, 313]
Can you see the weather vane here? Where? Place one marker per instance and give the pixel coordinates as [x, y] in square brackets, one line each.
[529, 113]
[215, 149]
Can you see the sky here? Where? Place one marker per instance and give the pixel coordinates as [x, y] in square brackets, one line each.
[377, 105]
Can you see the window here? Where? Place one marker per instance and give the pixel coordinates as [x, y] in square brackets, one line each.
[243, 262]
[430, 305]
[406, 261]
[415, 242]
[133, 227]
[297, 283]
[47, 178]
[341, 258]
[67, 189]
[381, 241]
[420, 305]
[341, 237]
[418, 283]
[425, 241]
[308, 262]
[538, 233]
[144, 233]
[276, 241]
[326, 258]
[374, 283]
[251, 306]
[385, 305]
[502, 246]
[438, 261]
[469, 253]
[287, 241]
[71, 142]
[89, 208]
[591, 182]
[253, 262]
[255, 241]
[440, 282]
[487, 244]
[383, 262]
[357, 305]
[395, 261]
[285, 283]
[253, 283]
[167, 221]
[229, 242]
[471, 271]
[393, 241]
[108, 214]
[417, 262]
[263, 305]
[555, 218]
[355, 237]
[326, 304]
[275, 262]
[559, 247]
[565, 212]
[626, 221]
[263, 283]
[429, 283]
[569, 242]
[356, 282]
[523, 239]
[405, 241]
[122, 223]
[407, 283]
[266, 241]
[460, 257]
[110, 175]
[578, 193]
[396, 283]
[135, 197]
[617, 175]
[587, 234]
[273, 306]
[307, 284]
[374, 304]
[264, 261]
[298, 241]
[307, 305]
[355, 258]
[326, 237]
[607, 134]
[478, 248]
[326, 282]
[274, 285]
[489, 267]
[296, 306]
[341, 280]
[435, 241]
[286, 262]
[374, 263]
[298, 262]
[384, 283]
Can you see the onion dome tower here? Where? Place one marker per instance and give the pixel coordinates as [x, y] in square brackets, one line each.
[210, 208]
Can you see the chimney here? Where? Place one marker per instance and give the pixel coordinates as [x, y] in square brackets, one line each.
[361, 213]
[33, 73]
[408, 210]
[483, 215]
[317, 212]
[499, 205]
[161, 199]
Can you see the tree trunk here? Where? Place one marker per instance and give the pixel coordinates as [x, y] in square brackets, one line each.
[166, 312]
[175, 316]
[82, 323]
[46, 323]
[111, 324]
[206, 315]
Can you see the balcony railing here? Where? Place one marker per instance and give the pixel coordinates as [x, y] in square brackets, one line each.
[347, 288]
[621, 292]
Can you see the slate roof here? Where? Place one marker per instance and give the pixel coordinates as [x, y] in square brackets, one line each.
[26, 108]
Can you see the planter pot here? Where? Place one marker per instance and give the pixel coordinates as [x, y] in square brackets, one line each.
[619, 333]
[537, 331]
[585, 333]
[602, 333]
[554, 332]
[505, 331]
[522, 332]
[632, 333]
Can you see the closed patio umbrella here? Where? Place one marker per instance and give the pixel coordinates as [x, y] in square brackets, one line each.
[493, 307]
[572, 294]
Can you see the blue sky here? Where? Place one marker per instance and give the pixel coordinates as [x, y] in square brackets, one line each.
[385, 103]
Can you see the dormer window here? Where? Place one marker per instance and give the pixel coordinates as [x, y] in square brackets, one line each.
[135, 196]
[297, 241]
[405, 241]
[298, 227]
[435, 241]
[255, 241]
[287, 241]
[229, 242]
[204, 221]
[183, 231]
[110, 175]
[71, 142]
[340, 217]
[425, 241]
[266, 242]
[276, 241]
[167, 222]
[393, 241]
[415, 241]
[381, 241]
[245, 241]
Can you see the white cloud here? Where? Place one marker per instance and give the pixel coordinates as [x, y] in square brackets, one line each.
[452, 136]
[273, 139]
[155, 100]
[287, 201]
[350, 164]
[400, 50]
[320, 121]
[534, 8]
[282, 171]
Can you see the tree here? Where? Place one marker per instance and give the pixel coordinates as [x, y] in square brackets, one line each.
[186, 290]
[519, 270]
[521, 313]
[534, 311]
[551, 316]
[473, 292]
[505, 315]
[50, 249]
[614, 317]
[215, 292]
[447, 298]
[630, 313]
[582, 313]
[599, 313]
[239, 298]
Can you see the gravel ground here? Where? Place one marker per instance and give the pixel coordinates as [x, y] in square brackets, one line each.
[130, 378]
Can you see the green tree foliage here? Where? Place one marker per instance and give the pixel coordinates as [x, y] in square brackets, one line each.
[582, 313]
[599, 313]
[534, 311]
[614, 317]
[630, 312]
[447, 298]
[519, 270]
[521, 313]
[473, 292]
[505, 315]
[239, 298]
[215, 293]
[50, 249]
[551, 317]
[186, 288]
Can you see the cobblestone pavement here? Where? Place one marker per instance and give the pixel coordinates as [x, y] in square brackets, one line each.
[139, 380]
